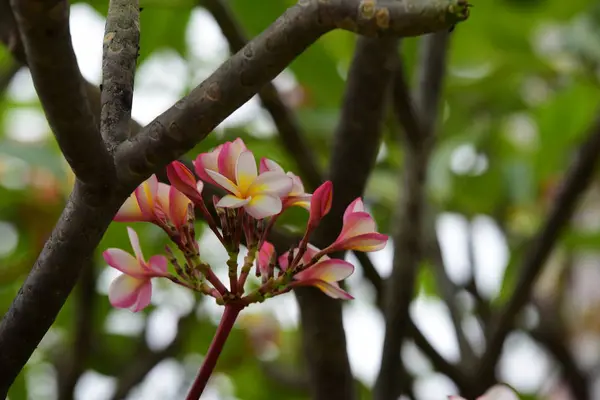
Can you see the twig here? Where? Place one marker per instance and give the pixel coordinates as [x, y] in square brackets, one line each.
[410, 217]
[289, 129]
[356, 142]
[60, 87]
[574, 184]
[120, 51]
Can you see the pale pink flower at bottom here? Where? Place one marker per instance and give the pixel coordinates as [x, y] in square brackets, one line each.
[133, 289]
[325, 275]
[496, 392]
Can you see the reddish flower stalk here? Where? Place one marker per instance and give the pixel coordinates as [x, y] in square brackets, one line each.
[214, 351]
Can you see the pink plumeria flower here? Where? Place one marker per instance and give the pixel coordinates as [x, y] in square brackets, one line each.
[296, 196]
[222, 159]
[155, 202]
[133, 289]
[358, 231]
[183, 180]
[496, 392]
[324, 274]
[320, 204]
[265, 255]
[260, 195]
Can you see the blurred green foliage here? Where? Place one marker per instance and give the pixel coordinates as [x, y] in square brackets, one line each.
[521, 90]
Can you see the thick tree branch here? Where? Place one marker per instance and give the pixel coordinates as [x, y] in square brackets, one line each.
[574, 184]
[44, 28]
[356, 142]
[175, 131]
[408, 238]
[120, 51]
[77, 233]
[289, 129]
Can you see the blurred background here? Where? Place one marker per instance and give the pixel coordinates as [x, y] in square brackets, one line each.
[520, 93]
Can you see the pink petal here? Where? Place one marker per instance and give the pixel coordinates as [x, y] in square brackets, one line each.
[178, 207]
[231, 201]
[267, 251]
[357, 223]
[183, 179]
[128, 292]
[271, 182]
[283, 259]
[297, 186]
[333, 290]
[130, 211]
[456, 398]
[331, 270]
[228, 157]
[356, 206]
[320, 203]
[135, 244]
[224, 182]
[269, 165]
[366, 243]
[298, 201]
[245, 171]
[263, 205]
[158, 266]
[205, 162]
[123, 261]
[146, 195]
[311, 251]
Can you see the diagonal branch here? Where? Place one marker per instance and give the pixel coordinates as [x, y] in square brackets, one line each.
[289, 129]
[175, 131]
[574, 184]
[120, 51]
[411, 213]
[60, 86]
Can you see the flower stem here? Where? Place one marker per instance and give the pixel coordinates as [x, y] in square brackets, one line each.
[227, 321]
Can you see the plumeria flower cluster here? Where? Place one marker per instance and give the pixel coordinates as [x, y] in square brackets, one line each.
[256, 194]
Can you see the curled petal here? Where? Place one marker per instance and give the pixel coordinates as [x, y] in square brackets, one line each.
[263, 205]
[123, 261]
[331, 270]
[146, 196]
[245, 171]
[130, 211]
[366, 243]
[158, 266]
[224, 182]
[298, 201]
[311, 251]
[297, 186]
[178, 207]
[231, 201]
[269, 165]
[183, 179]
[333, 290]
[356, 206]
[271, 182]
[135, 244]
[130, 292]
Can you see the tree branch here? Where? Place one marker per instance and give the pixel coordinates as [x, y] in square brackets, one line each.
[409, 223]
[289, 129]
[44, 28]
[175, 131]
[120, 51]
[574, 184]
